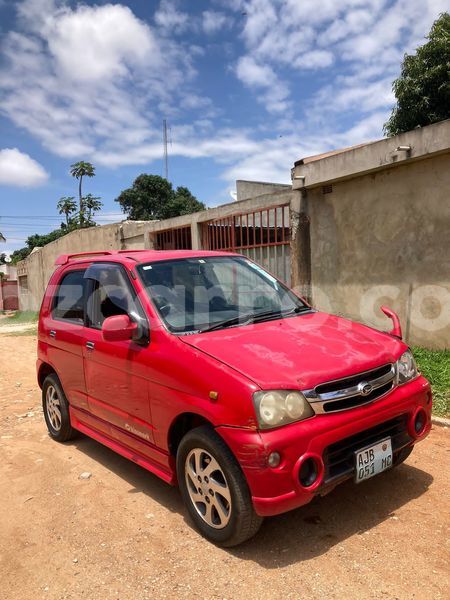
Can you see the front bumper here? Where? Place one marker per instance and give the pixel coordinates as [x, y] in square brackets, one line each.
[278, 490]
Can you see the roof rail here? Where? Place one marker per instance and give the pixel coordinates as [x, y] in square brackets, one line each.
[63, 259]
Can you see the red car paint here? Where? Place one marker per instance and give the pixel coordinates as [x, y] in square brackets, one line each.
[131, 397]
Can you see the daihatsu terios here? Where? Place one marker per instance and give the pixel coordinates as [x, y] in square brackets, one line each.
[206, 370]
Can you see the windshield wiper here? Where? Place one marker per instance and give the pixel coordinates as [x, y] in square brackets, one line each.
[279, 313]
[248, 318]
[239, 320]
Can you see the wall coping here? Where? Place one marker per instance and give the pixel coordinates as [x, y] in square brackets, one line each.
[348, 163]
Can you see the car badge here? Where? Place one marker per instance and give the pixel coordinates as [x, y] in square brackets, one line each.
[365, 388]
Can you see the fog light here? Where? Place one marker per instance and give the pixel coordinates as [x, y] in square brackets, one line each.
[274, 459]
[420, 422]
[308, 472]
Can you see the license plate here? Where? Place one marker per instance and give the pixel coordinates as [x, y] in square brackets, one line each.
[373, 460]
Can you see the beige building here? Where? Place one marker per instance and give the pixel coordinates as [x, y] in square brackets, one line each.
[358, 228]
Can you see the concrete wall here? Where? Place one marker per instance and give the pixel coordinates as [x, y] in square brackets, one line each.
[384, 238]
[9, 271]
[273, 198]
[379, 235]
[423, 143]
[35, 271]
[383, 233]
[253, 189]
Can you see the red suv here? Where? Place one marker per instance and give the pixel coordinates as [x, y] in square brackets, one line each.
[206, 370]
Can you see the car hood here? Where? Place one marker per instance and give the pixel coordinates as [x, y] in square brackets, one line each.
[300, 351]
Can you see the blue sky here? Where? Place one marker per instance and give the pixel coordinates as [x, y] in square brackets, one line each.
[247, 86]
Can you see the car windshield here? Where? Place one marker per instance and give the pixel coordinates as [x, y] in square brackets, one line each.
[199, 294]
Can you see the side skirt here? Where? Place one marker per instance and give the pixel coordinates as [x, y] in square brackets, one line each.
[166, 474]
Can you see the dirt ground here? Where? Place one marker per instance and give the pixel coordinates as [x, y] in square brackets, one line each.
[123, 533]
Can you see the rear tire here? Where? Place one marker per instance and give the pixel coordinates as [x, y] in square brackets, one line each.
[214, 489]
[56, 410]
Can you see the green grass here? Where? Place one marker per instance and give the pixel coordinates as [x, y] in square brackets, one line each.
[435, 366]
[20, 317]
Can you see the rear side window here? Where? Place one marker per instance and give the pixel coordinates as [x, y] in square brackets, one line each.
[69, 299]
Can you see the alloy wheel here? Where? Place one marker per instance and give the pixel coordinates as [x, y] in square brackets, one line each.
[208, 488]
[53, 407]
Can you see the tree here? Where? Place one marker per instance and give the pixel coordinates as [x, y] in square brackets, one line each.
[423, 88]
[182, 203]
[67, 206]
[91, 204]
[3, 258]
[87, 207]
[153, 197]
[79, 170]
[20, 254]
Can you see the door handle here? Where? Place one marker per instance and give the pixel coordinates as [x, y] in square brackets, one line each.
[90, 345]
[52, 333]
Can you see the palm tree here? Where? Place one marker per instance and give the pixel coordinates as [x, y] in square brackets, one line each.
[92, 204]
[67, 206]
[79, 170]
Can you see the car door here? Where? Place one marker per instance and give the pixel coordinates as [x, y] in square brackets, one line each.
[63, 332]
[116, 372]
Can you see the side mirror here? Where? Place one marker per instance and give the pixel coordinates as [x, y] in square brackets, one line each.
[118, 328]
[397, 329]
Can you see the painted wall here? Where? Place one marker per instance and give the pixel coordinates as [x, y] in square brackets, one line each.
[9, 271]
[384, 238]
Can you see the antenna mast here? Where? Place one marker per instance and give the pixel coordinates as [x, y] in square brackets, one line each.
[166, 156]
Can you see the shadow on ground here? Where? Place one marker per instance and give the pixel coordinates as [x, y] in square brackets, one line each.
[349, 510]
[137, 477]
[299, 535]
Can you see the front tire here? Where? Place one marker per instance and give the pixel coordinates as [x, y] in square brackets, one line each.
[56, 410]
[214, 489]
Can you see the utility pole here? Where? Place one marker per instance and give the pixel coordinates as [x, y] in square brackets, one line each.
[166, 156]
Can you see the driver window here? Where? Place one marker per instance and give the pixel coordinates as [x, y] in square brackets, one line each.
[111, 296]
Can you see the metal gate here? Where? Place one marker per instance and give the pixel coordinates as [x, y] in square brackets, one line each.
[263, 235]
[9, 295]
[174, 239]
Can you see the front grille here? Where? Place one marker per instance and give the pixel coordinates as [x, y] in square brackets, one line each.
[339, 458]
[353, 380]
[354, 401]
[350, 392]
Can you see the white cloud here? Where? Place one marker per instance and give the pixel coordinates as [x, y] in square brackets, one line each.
[20, 170]
[356, 94]
[361, 35]
[88, 82]
[213, 21]
[111, 41]
[253, 74]
[315, 59]
[262, 77]
[169, 17]
[313, 65]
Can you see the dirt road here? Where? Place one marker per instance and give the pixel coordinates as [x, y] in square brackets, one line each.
[123, 533]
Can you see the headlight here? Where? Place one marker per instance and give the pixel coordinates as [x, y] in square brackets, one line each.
[406, 368]
[279, 407]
